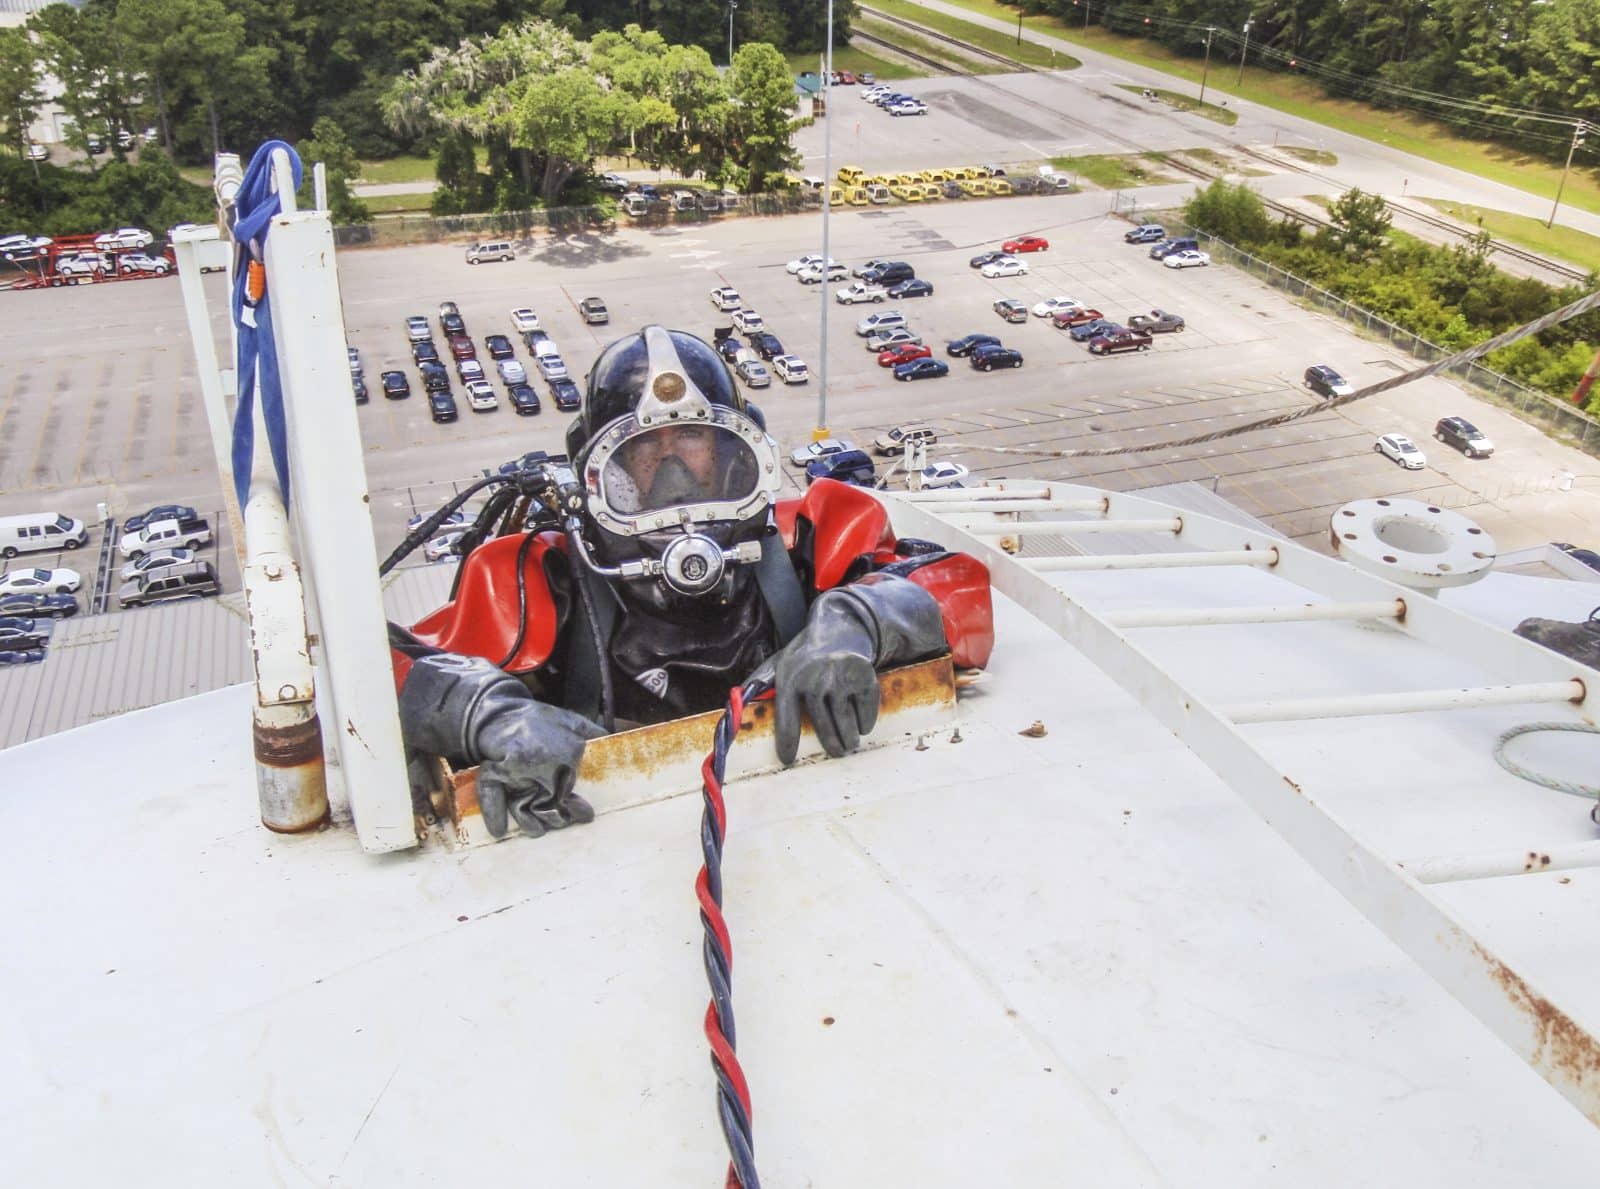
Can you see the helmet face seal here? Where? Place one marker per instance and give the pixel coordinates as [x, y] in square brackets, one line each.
[688, 463]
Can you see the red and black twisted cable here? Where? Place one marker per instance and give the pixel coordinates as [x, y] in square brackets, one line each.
[733, 1093]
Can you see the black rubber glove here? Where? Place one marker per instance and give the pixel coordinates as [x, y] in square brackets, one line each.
[831, 667]
[1577, 641]
[527, 752]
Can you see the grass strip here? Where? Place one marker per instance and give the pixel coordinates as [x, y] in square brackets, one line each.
[1027, 52]
[1558, 243]
[948, 56]
[857, 60]
[1113, 172]
[1221, 114]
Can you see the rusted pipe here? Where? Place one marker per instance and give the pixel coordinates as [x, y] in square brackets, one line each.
[290, 778]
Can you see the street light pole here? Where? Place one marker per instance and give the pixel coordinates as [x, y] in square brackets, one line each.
[1244, 53]
[1206, 69]
[1019, 26]
[820, 430]
[733, 7]
[1579, 130]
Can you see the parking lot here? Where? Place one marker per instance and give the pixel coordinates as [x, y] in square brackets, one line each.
[100, 403]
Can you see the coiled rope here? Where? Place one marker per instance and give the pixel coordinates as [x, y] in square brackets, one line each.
[733, 1093]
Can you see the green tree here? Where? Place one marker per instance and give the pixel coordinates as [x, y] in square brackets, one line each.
[328, 145]
[1360, 221]
[456, 170]
[761, 90]
[81, 51]
[19, 88]
[1231, 211]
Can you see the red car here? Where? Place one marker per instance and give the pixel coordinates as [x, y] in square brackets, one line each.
[1067, 319]
[461, 347]
[904, 353]
[1025, 243]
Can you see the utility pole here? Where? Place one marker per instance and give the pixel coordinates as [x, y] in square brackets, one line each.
[1086, 8]
[820, 430]
[1206, 69]
[1244, 53]
[1579, 130]
[1019, 26]
[733, 7]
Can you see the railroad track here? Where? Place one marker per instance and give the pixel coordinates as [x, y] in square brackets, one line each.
[1553, 267]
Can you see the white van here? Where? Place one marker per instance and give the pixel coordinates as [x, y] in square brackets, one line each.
[40, 531]
[498, 249]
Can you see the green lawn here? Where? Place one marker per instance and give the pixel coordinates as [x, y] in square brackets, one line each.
[1210, 111]
[388, 204]
[952, 59]
[979, 35]
[1298, 96]
[1112, 173]
[1560, 243]
[1215, 160]
[855, 61]
[401, 169]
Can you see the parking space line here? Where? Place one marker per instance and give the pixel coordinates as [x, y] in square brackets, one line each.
[96, 417]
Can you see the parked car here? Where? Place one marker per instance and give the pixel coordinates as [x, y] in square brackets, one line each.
[1089, 330]
[1464, 436]
[481, 397]
[450, 319]
[512, 372]
[725, 298]
[190, 533]
[812, 273]
[1166, 247]
[766, 345]
[860, 291]
[808, 454]
[1157, 321]
[1186, 259]
[882, 340]
[847, 466]
[456, 519]
[24, 247]
[195, 579]
[904, 353]
[1006, 266]
[1067, 319]
[468, 370]
[612, 183]
[444, 547]
[499, 347]
[81, 264]
[915, 287]
[441, 405]
[727, 346]
[564, 392]
[944, 474]
[523, 320]
[747, 322]
[922, 369]
[536, 340]
[524, 399]
[1011, 310]
[551, 366]
[893, 441]
[1401, 449]
[142, 262]
[987, 358]
[1145, 233]
[810, 260]
[21, 632]
[125, 237]
[1326, 382]
[908, 107]
[529, 461]
[395, 385]
[21, 656]
[966, 344]
[36, 603]
[417, 329]
[434, 376]
[594, 311]
[462, 347]
[160, 512]
[37, 151]
[791, 369]
[1120, 339]
[156, 560]
[754, 373]
[1025, 243]
[499, 249]
[358, 386]
[983, 258]
[424, 351]
[891, 273]
[886, 320]
[1052, 306]
[865, 267]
